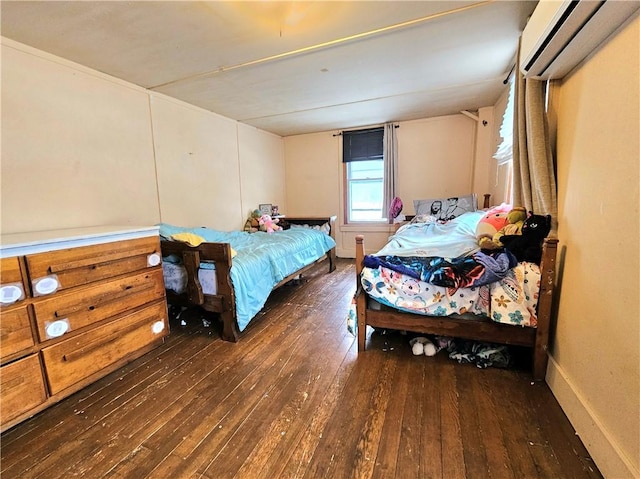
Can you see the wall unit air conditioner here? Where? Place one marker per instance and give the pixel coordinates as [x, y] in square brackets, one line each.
[561, 33]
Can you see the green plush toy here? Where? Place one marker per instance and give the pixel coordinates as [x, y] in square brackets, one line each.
[253, 222]
[515, 220]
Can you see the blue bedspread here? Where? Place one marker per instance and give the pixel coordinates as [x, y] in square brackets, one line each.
[263, 260]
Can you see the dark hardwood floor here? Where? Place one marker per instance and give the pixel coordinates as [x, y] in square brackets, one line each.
[294, 399]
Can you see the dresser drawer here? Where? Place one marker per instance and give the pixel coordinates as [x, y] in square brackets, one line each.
[15, 332]
[78, 357]
[72, 310]
[12, 287]
[21, 387]
[67, 268]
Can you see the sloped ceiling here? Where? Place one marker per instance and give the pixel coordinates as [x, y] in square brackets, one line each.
[290, 67]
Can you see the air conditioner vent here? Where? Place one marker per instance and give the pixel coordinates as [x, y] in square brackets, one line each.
[560, 34]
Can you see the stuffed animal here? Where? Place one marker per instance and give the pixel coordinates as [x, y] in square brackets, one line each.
[253, 222]
[395, 208]
[493, 220]
[528, 245]
[268, 224]
[515, 221]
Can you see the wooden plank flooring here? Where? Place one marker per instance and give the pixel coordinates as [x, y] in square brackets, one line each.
[293, 399]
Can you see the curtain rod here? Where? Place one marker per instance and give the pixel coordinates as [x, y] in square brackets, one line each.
[506, 80]
[340, 132]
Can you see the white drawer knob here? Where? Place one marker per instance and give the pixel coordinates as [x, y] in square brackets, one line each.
[157, 327]
[153, 259]
[57, 328]
[10, 293]
[45, 285]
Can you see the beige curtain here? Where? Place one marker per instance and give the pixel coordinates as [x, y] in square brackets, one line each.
[390, 167]
[534, 178]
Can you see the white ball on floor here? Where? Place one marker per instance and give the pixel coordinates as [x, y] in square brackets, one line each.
[417, 348]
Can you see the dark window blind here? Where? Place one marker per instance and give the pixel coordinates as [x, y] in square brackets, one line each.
[362, 145]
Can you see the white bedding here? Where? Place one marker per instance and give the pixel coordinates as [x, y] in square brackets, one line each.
[445, 240]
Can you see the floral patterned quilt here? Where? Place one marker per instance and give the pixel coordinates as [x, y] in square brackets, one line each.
[512, 300]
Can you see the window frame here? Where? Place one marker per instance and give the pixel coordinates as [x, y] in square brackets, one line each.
[370, 149]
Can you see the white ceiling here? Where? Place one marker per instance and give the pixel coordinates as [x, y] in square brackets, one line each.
[290, 67]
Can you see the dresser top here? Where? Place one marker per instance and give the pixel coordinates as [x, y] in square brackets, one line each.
[20, 244]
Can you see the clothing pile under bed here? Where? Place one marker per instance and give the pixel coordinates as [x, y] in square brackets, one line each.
[437, 269]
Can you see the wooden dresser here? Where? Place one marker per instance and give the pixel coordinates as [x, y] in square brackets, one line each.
[75, 305]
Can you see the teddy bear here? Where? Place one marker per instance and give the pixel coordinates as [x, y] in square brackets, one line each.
[493, 220]
[527, 246]
[253, 222]
[422, 345]
[268, 224]
[515, 221]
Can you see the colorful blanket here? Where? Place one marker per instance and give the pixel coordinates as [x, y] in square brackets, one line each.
[464, 272]
[512, 300]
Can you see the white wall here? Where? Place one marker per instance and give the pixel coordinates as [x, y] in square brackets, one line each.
[436, 158]
[262, 169]
[594, 370]
[81, 148]
[198, 173]
[76, 146]
[313, 174]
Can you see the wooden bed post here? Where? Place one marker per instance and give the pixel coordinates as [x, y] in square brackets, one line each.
[545, 300]
[361, 297]
[191, 261]
[230, 330]
[332, 259]
[317, 221]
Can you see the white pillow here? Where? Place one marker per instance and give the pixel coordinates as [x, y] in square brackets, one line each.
[446, 208]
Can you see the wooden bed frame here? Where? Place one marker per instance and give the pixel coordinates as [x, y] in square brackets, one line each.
[224, 301]
[481, 329]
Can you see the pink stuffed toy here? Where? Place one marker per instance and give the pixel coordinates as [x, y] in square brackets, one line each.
[493, 221]
[268, 224]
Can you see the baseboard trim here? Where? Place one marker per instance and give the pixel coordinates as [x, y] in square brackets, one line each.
[603, 448]
[346, 253]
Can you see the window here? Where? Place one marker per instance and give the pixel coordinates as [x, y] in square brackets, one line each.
[363, 156]
[504, 153]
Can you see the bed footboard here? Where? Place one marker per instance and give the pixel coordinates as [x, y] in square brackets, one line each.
[479, 330]
[224, 301]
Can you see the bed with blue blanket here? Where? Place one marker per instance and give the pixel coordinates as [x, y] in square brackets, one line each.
[432, 278]
[233, 273]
